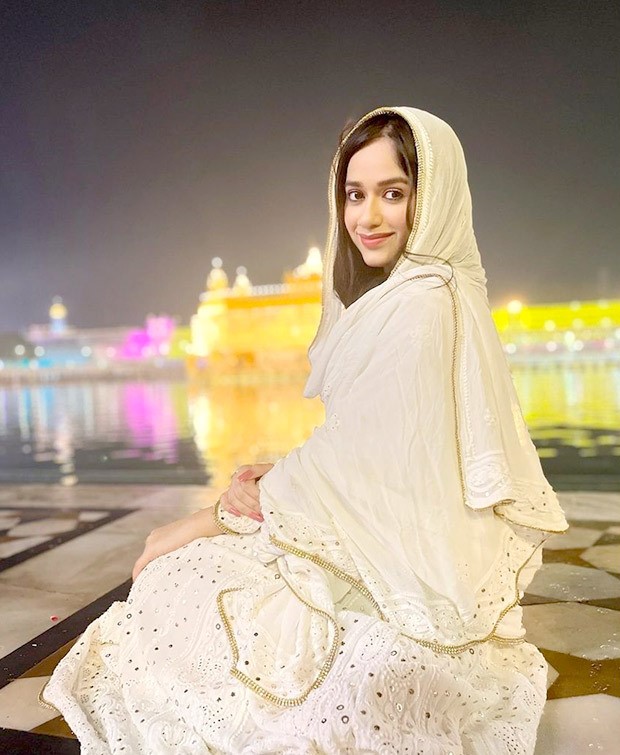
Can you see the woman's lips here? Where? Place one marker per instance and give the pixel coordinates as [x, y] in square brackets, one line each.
[375, 240]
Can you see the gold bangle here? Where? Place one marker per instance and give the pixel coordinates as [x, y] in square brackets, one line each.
[219, 523]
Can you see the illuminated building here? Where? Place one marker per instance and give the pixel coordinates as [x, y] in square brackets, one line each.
[566, 332]
[56, 350]
[245, 329]
[58, 316]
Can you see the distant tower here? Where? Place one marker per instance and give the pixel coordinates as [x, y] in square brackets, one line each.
[312, 267]
[217, 279]
[242, 285]
[58, 316]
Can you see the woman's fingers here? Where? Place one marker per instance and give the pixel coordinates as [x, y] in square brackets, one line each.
[240, 470]
[254, 471]
[245, 493]
[227, 505]
[244, 498]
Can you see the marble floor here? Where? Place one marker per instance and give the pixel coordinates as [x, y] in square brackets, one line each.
[66, 554]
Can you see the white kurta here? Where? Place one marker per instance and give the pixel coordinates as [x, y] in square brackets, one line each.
[152, 674]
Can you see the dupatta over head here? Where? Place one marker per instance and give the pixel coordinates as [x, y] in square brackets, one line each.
[422, 491]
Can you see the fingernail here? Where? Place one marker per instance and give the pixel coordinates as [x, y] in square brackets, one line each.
[245, 475]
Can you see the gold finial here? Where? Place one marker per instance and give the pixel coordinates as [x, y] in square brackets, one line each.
[217, 279]
[242, 284]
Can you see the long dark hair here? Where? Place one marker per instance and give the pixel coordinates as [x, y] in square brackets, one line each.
[352, 276]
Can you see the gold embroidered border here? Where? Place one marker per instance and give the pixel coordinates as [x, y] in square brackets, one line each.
[286, 702]
[43, 702]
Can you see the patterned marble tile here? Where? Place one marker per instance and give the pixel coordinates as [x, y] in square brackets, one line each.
[47, 526]
[10, 546]
[580, 630]
[91, 516]
[27, 612]
[576, 537]
[591, 506]
[19, 705]
[552, 675]
[86, 566]
[8, 520]
[578, 725]
[603, 557]
[36, 529]
[570, 582]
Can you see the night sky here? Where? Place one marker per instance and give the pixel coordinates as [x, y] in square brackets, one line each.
[140, 139]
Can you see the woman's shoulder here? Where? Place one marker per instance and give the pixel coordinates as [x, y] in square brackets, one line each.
[428, 289]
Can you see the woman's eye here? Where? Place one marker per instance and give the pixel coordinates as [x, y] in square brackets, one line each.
[354, 195]
[393, 194]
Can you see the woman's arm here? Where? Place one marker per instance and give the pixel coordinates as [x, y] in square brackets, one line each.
[172, 536]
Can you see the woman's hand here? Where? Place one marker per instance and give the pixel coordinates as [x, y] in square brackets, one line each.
[171, 536]
[242, 496]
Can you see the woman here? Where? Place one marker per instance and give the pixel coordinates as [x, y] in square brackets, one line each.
[371, 603]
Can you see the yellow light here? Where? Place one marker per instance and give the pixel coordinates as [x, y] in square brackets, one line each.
[58, 311]
[549, 325]
[514, 307]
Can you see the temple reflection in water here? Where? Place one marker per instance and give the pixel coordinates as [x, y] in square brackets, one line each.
[248, 364]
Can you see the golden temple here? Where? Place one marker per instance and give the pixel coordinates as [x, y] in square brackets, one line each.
[244, 331]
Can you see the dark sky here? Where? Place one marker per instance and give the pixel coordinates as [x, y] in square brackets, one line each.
[140, 139]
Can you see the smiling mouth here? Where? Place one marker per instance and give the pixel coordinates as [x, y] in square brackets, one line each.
[375, 240]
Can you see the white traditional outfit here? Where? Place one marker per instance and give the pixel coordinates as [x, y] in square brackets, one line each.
[376, 609]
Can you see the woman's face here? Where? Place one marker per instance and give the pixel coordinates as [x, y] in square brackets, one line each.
[379, 200]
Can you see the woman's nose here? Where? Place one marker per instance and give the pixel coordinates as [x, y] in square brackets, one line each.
[371, 213]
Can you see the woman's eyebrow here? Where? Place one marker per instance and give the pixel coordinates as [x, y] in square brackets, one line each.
[386, 182]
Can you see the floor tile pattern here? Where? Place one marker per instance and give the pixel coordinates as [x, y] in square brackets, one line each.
[26, 532]
[571, 612]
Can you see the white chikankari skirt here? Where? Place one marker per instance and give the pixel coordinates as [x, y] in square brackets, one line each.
[152, 675]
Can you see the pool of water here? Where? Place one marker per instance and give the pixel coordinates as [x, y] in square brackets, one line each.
[167, 432]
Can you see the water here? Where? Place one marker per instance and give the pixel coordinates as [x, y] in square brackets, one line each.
[169, 432]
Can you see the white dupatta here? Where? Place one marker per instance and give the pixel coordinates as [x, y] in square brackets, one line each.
[422, 490]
